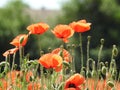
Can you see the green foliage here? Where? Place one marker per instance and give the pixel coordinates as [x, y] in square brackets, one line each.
[13, 22]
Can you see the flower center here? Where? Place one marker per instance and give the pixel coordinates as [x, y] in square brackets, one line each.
[72, 85]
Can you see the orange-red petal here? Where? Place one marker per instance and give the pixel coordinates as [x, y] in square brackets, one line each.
[80, 26]
[66, 55]
[63, 32]
[17, 40]
[76, 80]
[38, 28]
[10, 51]
[50, 60]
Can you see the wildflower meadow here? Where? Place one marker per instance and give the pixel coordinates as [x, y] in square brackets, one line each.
[55, 69]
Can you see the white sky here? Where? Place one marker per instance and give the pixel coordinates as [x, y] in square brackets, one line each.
[36, 4]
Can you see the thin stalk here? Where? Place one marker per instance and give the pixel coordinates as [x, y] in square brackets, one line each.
[81, 49]
[21, 57]
[99, 53]
[42, 78]
[13, 61]
[88, 47]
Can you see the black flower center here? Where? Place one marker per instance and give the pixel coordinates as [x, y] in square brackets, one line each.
[71, 85]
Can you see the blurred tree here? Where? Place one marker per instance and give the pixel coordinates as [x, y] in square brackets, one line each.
[105, 18]
[13, 21]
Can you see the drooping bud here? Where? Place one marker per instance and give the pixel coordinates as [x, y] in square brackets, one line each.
[66, 64]
[21, 39]
[94, 74]
[88, 74]
[41, 53]
[49, 49]
[87, 89]
[114, 74]
[89, 37]
[110, 83]
[104, 70]
[73, 45]
[68, 46]
[115, 51]
[102, 41]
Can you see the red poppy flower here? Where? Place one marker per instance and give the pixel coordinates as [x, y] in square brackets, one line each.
[50, 61]
[80, 26]
[66, 55]
[20, 40]
[74, 82]
[38, 28]
[63, 32]
[10, 51]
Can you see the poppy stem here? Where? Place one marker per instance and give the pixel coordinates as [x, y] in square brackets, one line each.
[81, 49]
[99, 54]
[21, 57]
[88, 46]
[13, 62]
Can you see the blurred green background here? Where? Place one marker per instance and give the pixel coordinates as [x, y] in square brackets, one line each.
[104, 15]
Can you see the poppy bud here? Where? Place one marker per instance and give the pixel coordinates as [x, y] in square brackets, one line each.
[31, 78]
[114, 74]
[41, 53]
[106, 63]
[104, 70]
[49, 49]
[82, 72]
[88, 74]
[115, 51]
[87, 89]
[68, 46]
[21, 39]
[73, 45]
[110, 83]
[102, 41]
[89, 37]
[94, 73]
[66, 64]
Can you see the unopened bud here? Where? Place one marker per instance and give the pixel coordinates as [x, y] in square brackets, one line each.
[115, 51]
[68, 46]
[87, 89]
[66, 64]
[114, 74]
[89, 37]
[104, 70]
[49, 49]
[21, 39]
[41, 53]
[110, 83]
[102, 41]
[88, 74]
[73, 45]
[94, 73]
